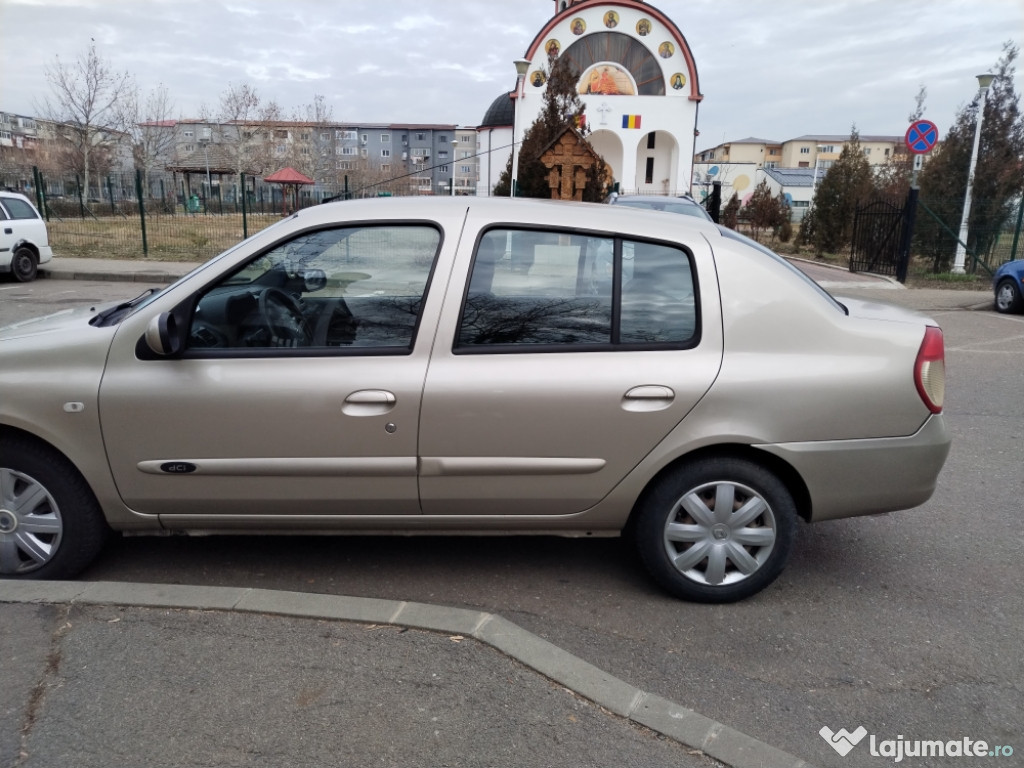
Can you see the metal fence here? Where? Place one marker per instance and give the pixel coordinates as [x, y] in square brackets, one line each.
[172, 217]
[993, 236]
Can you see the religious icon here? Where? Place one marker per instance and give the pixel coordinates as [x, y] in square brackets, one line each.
[538, 79]
[553, 47]
[579, 26]
[666, 50]
[678, 80]
[611, 19]
[643, 27]
[606, 80]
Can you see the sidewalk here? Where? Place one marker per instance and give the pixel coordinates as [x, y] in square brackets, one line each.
[120, 270]
[101, 673]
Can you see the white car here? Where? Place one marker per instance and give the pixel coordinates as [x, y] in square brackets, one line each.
[24, 244]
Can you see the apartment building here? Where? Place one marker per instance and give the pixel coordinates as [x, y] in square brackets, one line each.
[794, 167]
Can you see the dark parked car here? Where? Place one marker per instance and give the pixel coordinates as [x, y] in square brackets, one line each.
[684, 205]
[1007, 282]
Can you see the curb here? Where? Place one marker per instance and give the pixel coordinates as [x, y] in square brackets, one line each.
[111, 277]
[686, 726]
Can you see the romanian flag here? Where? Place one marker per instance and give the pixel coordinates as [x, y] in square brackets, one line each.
[631, 121]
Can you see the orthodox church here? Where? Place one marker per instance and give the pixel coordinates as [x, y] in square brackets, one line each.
[638, 80]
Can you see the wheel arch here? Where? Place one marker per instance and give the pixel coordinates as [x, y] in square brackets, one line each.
[8, 432]
[777, 466]
[23, 243]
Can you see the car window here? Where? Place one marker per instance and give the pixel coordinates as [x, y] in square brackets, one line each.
[19, 209]
[345, 289]
[542, 290]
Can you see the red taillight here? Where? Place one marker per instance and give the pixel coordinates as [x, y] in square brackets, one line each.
[930, 369]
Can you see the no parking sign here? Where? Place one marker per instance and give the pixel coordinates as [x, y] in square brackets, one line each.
[922, 136]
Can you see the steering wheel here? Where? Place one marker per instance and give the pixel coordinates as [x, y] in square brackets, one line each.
[283, 319]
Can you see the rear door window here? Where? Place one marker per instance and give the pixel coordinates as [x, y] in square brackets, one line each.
[549, 290]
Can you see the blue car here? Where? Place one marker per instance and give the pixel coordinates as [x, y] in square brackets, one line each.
[1008, 282]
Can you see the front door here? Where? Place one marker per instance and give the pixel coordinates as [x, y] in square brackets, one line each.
[298, 394]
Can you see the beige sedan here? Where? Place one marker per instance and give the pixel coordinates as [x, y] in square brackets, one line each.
[473, 366]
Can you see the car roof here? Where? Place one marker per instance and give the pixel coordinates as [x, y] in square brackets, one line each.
[515, 212]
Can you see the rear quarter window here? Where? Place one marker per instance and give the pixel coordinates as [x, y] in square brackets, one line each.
[18, 209]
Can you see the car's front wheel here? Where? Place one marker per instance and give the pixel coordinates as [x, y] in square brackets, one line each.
[1008, 298]
[51, 526]
[717, 530]
[24, 265]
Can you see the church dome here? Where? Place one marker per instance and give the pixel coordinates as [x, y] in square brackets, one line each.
[500, 113]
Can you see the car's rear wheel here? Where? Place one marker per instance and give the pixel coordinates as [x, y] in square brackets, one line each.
[24, 265]
[717, 530]
[51, 526]
[1008, 298]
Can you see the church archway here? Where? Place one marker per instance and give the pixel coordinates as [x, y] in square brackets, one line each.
[657, 161]
[609, 147]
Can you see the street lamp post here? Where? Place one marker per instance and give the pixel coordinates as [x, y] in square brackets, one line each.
[984, 81]
[206, 154]
[455, 144]
[522, 65]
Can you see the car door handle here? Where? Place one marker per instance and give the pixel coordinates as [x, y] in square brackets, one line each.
[8, 231]
[369, 402]
[651, 397]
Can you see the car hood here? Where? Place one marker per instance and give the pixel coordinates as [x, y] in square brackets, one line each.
[63, 339]
[59, 322]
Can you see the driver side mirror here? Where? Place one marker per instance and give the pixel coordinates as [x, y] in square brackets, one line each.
[163, 336]
[313, 279]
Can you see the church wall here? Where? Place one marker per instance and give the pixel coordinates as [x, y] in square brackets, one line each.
[616, 107]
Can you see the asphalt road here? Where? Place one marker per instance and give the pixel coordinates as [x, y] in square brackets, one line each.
[908, 624]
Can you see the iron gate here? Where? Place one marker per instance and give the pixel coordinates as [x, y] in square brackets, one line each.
[878, 240]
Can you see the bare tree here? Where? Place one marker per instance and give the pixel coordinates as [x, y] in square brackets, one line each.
[310, 148]
[85, 107]
[245, 125]
[149, 127]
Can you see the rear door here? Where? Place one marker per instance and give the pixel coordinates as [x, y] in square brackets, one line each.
[570, 356]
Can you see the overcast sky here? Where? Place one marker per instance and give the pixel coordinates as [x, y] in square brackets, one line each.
[774, 70]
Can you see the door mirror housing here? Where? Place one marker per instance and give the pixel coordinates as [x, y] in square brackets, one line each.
[163, 335]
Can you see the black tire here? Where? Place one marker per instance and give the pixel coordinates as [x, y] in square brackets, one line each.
[51, 526]
[24, 265]
[719, 556]
[1008, 298]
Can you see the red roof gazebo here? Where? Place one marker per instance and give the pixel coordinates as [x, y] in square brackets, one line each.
[288, 177]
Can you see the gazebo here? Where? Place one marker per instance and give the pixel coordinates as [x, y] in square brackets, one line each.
[288, 177]
[211, 163]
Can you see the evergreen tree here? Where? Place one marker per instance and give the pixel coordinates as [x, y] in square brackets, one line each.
[562, 109]
[998, 178]
[764, 211]
[849, 183]
[731, 212]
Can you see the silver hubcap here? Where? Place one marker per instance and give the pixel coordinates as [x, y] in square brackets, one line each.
[1005, 296]
[720, 533]
[30, 523]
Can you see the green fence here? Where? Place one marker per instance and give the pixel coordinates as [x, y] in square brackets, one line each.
[163, 216]
[993, 236]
